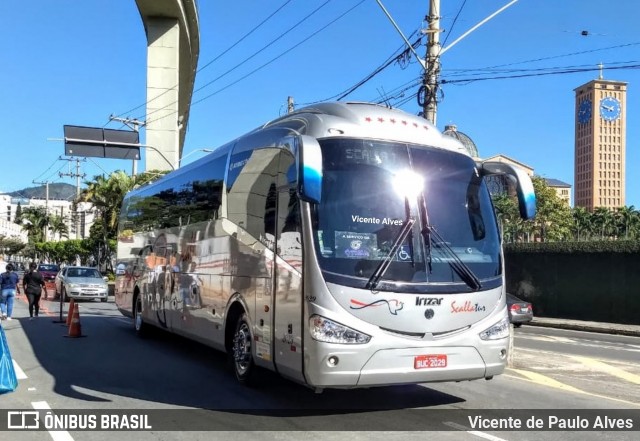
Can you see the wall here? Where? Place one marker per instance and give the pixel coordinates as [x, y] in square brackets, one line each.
[603, 287]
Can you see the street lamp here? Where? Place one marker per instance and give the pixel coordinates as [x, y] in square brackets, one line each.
[179, 163]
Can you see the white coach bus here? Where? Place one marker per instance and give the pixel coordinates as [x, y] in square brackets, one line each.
[343, 245]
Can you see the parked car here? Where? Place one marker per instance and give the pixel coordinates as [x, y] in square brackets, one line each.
[80, 282]
[48, 271]
[519, 311]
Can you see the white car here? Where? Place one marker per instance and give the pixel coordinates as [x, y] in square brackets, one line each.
[79, 282]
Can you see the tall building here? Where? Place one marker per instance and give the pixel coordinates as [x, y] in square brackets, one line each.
[600, 140]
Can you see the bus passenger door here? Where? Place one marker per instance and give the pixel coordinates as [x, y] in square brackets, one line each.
[288, 280]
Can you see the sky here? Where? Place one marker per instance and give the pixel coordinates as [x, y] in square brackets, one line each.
[509, 84]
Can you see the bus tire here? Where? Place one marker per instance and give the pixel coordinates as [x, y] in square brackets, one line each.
[241, 351]
[141, 328]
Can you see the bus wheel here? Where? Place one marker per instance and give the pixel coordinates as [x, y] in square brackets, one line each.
[142, 329]
[243, 365]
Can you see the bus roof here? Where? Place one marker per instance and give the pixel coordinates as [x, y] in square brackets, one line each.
[365, 120]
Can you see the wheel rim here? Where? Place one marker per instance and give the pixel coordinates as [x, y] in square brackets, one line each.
[242, 349]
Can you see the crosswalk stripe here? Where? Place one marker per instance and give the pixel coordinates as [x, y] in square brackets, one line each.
[57, 435]
[19, 372]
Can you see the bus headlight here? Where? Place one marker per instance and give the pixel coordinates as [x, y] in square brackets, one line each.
[497, 331]
[323, 329]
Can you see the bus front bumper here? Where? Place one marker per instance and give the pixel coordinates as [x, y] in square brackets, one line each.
[347, 369]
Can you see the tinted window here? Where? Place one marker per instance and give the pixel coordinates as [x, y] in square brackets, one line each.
[178, 200]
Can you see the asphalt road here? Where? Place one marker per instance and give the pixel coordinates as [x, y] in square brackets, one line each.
[111, 369]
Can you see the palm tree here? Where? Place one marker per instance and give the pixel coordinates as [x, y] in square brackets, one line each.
[57, 225]
[625, 220]
[35, 221]
[582, 222]
[604, 221]
[106, 196]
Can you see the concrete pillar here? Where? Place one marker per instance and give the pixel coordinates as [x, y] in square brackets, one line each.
[163, 79]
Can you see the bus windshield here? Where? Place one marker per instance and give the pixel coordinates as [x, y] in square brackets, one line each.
[362, 213]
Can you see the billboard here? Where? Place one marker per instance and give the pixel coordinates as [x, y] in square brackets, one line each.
[101, 143]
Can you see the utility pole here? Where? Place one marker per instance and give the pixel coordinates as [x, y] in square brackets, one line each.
[134, 124]
[290, 106]
[429, 92]
[76, 175]
[431, 79]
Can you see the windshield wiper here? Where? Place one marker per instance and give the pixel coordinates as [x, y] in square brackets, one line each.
[465, 273]
[384, 264]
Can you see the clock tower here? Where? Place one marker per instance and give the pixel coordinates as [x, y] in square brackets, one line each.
[600, 140]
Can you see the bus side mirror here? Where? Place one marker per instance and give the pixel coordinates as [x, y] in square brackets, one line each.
[524, 186]
[310, 182]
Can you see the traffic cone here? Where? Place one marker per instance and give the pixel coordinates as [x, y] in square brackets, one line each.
[72, 306]
[75, 330]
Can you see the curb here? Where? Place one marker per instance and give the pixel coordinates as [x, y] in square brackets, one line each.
[612, 329]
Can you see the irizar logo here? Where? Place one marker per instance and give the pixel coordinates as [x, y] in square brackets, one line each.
[428, 301]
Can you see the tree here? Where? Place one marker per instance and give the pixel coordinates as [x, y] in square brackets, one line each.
[582, 224]
[57, 225]
[627, 220]
[35, 222]
[508, 216]
[11, 246]
[603, 221]
[553, 221]
[18, 218]
[106, 195]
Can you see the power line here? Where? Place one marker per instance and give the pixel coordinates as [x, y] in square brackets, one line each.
[250, 57]
[255, 28]
[546, 58]
[268, 62]
[444, 43]
[539, 74]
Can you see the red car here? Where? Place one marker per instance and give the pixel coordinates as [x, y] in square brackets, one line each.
[48, 271]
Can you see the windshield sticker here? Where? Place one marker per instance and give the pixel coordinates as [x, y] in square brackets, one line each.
[355, 245]
[376, 220]
[393, 305]
[467, 306]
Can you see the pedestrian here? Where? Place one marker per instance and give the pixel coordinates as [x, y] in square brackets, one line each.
[8, 285]
[33, 284]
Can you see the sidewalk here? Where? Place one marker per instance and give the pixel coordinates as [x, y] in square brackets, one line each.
[579, 325]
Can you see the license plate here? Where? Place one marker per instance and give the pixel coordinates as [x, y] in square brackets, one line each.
[430, 361]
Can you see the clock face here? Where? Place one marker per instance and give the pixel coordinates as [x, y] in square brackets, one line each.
[584, 111]
[609, 108]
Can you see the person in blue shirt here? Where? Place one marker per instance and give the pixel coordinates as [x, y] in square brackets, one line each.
[8, 285]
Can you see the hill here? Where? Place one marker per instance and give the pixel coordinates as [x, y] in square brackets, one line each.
[58, 190]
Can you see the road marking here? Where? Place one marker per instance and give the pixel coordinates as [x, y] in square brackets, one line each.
[57, 435]
[472, 432]
[19, 372]
[545, 380]
[604, 367]
[621, 346]
[537, 378]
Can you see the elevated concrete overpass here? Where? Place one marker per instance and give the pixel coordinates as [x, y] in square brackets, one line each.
[173, 46]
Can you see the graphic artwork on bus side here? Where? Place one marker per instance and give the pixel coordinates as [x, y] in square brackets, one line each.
[393, 305]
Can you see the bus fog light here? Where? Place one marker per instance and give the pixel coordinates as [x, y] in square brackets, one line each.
[323, 329]
[332, 361]
[503, 354]
[497, 331]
